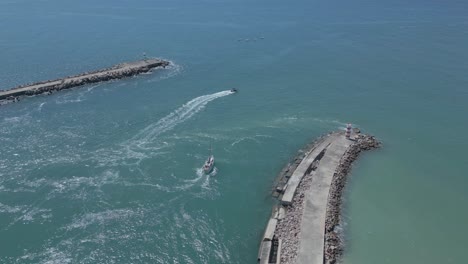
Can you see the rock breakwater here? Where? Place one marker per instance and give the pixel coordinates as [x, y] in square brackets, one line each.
[289, 227]
[333, 239]
[47, 87]
[287, 171]
[307, 226]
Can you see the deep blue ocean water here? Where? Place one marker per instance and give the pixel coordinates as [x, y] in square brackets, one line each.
[110, 173]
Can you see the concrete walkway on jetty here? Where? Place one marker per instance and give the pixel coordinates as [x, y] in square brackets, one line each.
[302, 227]
[116, 72]
[305, 165]
[312, 236]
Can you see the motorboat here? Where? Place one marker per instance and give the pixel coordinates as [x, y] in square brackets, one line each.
[234, 90]
[209, 164]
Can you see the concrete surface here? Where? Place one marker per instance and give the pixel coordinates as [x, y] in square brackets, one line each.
[297, 175]
[264, 252]
[270, 229]
[314, 214]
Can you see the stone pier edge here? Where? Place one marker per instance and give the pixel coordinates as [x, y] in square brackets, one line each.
[333, 244]
[279, 211]
[119, 71]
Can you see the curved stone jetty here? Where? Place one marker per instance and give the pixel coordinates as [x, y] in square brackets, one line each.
[304, 223]
[116, 72]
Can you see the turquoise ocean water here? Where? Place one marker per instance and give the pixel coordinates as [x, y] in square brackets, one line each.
[109, 173]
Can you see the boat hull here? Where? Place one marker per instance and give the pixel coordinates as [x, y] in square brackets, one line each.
[208, 170]
[209, 165]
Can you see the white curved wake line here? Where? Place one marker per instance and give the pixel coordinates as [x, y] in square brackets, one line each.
[178, 116]
[40, 106]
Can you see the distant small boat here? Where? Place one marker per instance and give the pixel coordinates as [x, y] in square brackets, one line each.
[209, 163]
[234, 90]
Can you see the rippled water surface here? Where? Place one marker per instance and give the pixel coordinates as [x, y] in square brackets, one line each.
[110, 173]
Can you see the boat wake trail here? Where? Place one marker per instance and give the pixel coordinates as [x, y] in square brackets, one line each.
[180, 115]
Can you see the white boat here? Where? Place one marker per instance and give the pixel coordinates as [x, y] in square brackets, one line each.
[209, 163]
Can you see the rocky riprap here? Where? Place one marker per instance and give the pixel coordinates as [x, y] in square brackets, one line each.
[333, 238]
[289, 228]
[117, 72]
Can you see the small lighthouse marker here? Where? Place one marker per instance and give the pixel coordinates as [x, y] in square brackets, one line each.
[348, 131]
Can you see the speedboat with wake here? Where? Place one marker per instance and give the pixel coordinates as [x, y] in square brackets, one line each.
[233, 90]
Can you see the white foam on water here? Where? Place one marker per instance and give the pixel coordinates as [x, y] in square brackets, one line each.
[330, 121]
[200, 174]
[31, 215]
[101, 218]
[114, 157]
[214, 172]
[50, 255]
[242, 139]
[206, 182]
[294, 119]
[40, 106]
[94, 86]
[146, 144]
[15, 119]
[71, 97]
[71, 184]
[201, 180]
[66, 101]
[171, 70]
[10, 209]
[211, 136]
[201, 234]
[254, 138]
[151, 185]
[286, 119]
[71, 134]
[148, 135]
[187, 184]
